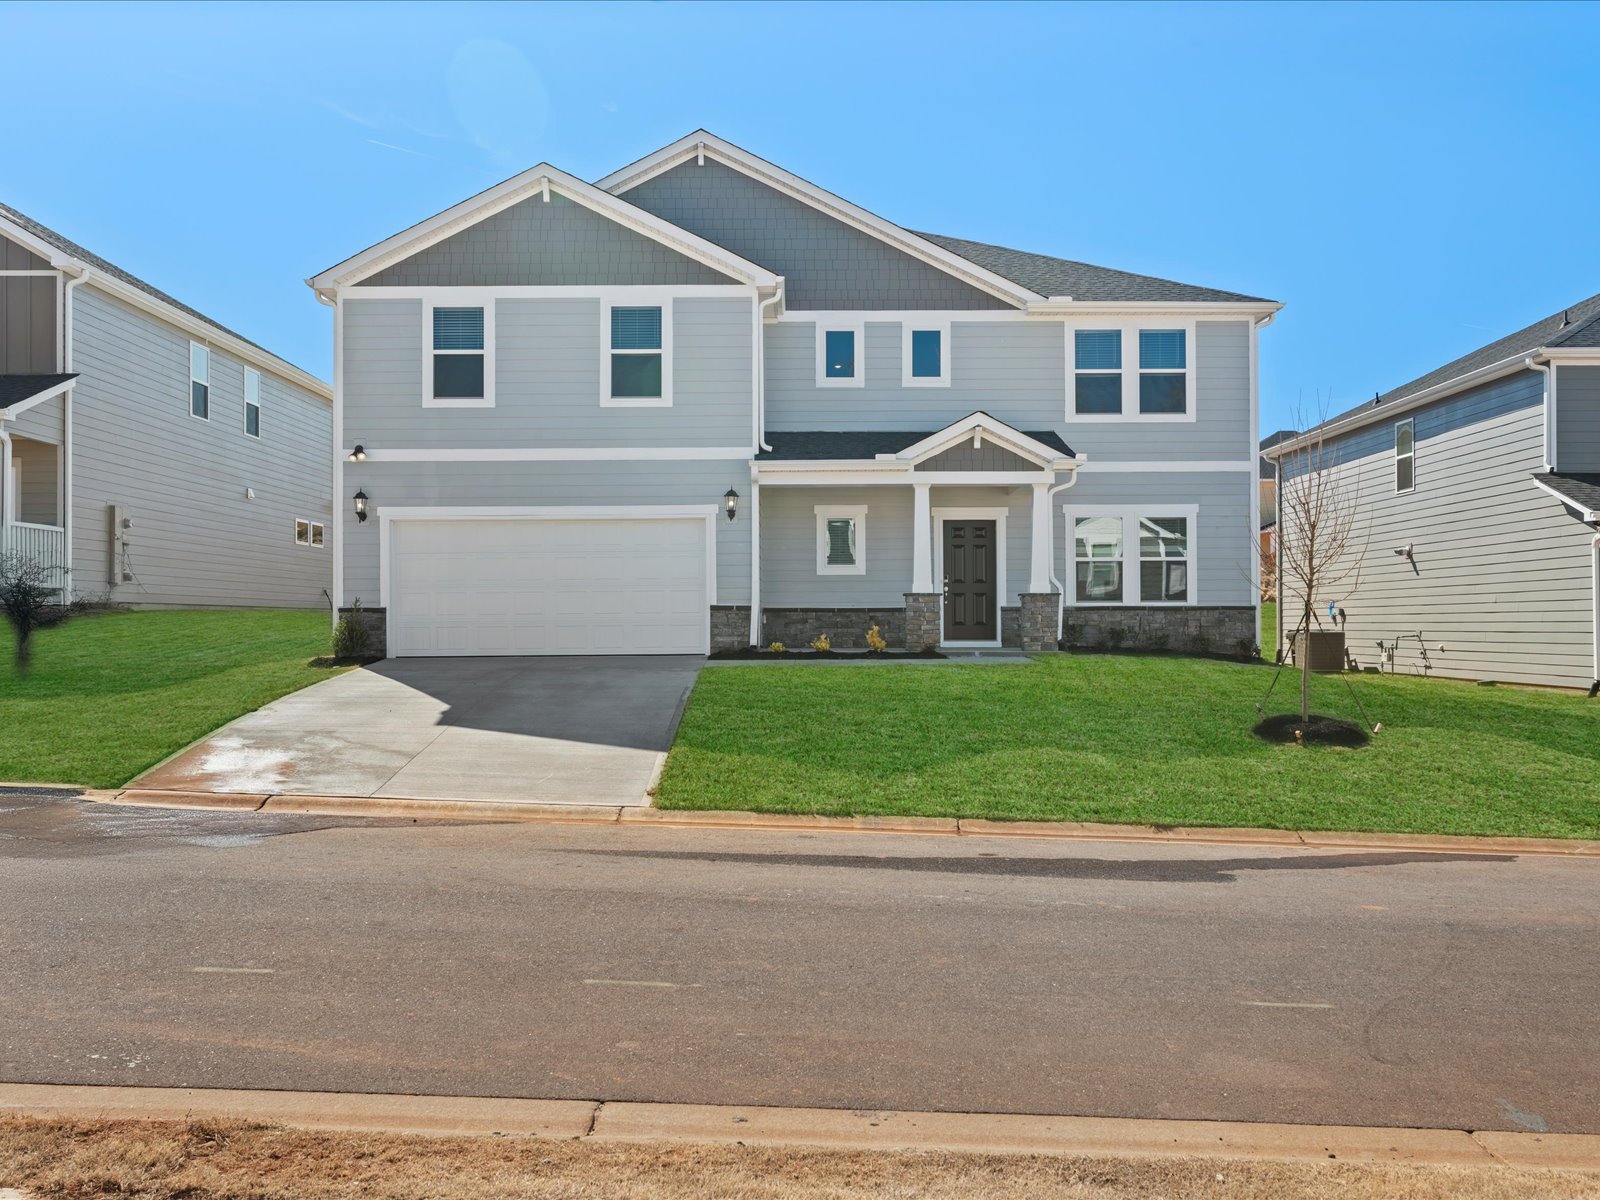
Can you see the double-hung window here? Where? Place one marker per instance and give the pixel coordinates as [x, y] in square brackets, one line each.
[199, 381]
[925, 354]
[461, 356]
[1405, 455]
[1163, 560]
[638, 366]
[841, 539]
[1097, 552]
[1163, 372]
[839, 355]
[1129, 373]
[252, 402]
[1097, 371]
[1132, 556]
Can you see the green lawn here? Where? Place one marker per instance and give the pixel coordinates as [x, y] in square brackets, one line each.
[109, 696]
[1124, 738]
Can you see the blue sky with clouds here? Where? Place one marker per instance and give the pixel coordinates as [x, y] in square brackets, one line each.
[1412, 180]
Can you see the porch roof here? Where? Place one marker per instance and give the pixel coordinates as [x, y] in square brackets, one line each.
[1580, 490]
[16, 390]
[838, 446]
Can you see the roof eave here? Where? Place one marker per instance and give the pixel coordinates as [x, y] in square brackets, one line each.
[1058, 306]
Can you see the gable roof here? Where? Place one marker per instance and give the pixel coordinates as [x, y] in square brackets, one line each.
[1083, 282]
[108, 271]
[703, 143]
[543, 179]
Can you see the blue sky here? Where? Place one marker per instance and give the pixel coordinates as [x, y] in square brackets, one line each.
[1413, 181]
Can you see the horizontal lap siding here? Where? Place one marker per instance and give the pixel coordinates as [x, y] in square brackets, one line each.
[38, 495]
[548, 379]
[44, 421]
[585, 484]
[195, 539]
[1503, 574]
[789, 577]
[1578, 419]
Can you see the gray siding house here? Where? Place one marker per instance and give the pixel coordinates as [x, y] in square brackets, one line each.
[148, 455]
[703, 403]
[1476, 490]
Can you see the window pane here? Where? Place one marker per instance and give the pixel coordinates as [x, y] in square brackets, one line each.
[926, 354]
[1098, 537]
[458, 329]
[199, 399]
[1404, 438]
[1405, 475]
[636, 376]
[1100, 582]
[1163, 394]
[841, 542]
[302, 532]
[636, 328]
[199, 363]
[1099, 349]
[1164, 537]
[1166, 582]
[252, 387]
[1162, 349]
[316, 535]
[458, 376]
[252, 420]
[1099, 393]
[839, 354]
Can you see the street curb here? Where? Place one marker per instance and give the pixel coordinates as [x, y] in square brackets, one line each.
[979, 1133]
[522, 813]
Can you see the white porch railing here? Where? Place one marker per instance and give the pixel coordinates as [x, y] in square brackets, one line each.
[46, 544]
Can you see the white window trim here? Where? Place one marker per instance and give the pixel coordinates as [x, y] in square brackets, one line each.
[1131, 581]
[907, 328]
[623, 300]
[189, 399]
[309, 538]
[468, 300]
[249, 373]
[298, 540]
[1412, 424]
[859, 328]
[857, 513]
[1131, 371]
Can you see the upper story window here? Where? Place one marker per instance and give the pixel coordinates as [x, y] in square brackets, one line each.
[1127, 373]
[199, 381]
[1097, 363]
[1405, 455]
[252, 402]
[461, 356]
[638, 368]
[925, 354]
[839, 355]
[1163, 371]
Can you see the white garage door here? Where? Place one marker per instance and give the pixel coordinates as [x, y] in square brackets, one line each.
[548, 587]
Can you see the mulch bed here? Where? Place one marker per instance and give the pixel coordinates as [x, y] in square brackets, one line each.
[754, 653]
[1318, 731]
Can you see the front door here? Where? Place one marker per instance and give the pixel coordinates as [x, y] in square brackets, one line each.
[970, 595]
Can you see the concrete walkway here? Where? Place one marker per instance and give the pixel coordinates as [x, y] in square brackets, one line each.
[508, 730]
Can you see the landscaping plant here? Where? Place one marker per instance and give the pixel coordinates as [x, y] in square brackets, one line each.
[28, 599]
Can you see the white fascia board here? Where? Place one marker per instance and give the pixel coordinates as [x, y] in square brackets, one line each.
[1571, 356]
[33, 242]
[539, 180]
[1588, 514]
[1200, 310]
[49, 393]
[702, 144]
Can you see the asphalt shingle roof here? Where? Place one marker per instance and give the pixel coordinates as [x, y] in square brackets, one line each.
[1082, 281]
[1583, 490]
[14, 389]
[849, 444]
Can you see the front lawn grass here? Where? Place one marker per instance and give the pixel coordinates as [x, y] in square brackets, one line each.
[112, 695]
[1133, 739]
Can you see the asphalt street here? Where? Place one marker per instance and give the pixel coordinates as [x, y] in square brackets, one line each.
[866, 971]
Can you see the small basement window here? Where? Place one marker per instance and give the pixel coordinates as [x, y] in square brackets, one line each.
[1405, 455]
[199, 381]
[252, 402]
[841, 540]
[459, 375]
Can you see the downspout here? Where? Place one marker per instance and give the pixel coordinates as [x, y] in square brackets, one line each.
[66, 425]
[1549, 410]
[336, 516]
[761, 366]
[760, 333]
[1050, 496]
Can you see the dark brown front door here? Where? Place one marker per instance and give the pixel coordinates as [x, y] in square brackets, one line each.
[969, 584]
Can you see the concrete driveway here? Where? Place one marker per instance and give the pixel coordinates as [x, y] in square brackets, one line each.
[551, 730]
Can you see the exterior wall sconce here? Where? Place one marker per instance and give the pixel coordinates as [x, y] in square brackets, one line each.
[730, 501]
[359, 454]
[361, 506]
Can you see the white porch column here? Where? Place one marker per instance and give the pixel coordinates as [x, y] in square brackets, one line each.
[1039, 559]
[755, 559]
[921, 540]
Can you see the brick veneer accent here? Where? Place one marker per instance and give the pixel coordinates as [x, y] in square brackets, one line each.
[377, 622]
[1038, 622]
[923, 617]
[1194, 629]
[730, 627]
[846, 627]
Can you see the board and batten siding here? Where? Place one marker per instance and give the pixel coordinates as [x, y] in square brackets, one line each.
[549, 356]
[1501, 581]
[1016, 371]
[1578, 419]
[196, 539]
[545, 484]
[27, 314]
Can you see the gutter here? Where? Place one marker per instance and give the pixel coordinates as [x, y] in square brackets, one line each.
[761, 365]
[1061, 590]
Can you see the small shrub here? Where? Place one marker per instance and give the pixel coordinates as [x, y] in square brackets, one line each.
[28, 598]
[875, 641]
[351, 637]
[776, 648]
[822, 645]
[1247, 649]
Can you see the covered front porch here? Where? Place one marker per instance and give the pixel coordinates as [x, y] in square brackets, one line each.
[940, 540]
[34, 493]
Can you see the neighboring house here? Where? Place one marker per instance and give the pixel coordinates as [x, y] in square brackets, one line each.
[705, 403]
[1477, 492]
[148, 455]
[1268, 507]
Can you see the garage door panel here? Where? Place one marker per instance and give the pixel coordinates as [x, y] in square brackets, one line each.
[543, 586]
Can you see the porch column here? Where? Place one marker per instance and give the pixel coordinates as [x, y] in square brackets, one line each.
[1039, 560]
[921, 540]
[755, 558]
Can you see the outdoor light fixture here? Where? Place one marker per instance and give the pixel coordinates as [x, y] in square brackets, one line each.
[359, 454]
[730, 500]
[361, 506]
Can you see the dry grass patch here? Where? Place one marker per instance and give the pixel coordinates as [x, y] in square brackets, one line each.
[218, 1161]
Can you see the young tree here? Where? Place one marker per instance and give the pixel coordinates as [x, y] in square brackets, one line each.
[1319, 558]
[27, 596]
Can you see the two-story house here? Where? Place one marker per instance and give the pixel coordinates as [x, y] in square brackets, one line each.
[1474, 494]
[149, 455]
[704, 403]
